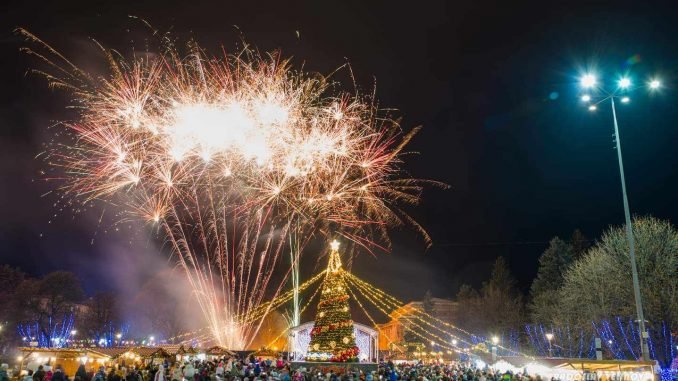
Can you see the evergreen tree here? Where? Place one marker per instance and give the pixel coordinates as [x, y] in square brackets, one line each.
[500, 301]
[469, 302]
[332, 337]
[544, 291]
[501, 277]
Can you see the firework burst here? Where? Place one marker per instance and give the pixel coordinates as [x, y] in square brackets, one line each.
[225, 154]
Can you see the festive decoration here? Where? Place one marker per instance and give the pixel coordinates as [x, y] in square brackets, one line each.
[332, 337]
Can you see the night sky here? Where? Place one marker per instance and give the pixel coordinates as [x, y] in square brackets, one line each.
[493, 84]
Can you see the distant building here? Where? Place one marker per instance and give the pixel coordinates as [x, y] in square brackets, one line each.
[393, 332]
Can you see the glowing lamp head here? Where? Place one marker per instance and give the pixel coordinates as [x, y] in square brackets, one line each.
[454, 342]
[549, 336]
[334, 245]
[625, 100]
[586, 98]
[118, 336]
[495, 340]
[624, 83]
[588, 81]
[593, 108]
[73, 332]
[655, 84]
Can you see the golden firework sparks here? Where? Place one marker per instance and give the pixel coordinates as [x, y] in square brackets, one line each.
[213, 149]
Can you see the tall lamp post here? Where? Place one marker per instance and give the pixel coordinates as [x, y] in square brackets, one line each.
[595, 95]
[495, 341]
[549, 337]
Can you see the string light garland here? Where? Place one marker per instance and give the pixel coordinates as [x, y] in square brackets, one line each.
[380, 297]
[264, 308]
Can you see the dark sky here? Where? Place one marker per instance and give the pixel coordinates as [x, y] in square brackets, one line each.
[493, 84]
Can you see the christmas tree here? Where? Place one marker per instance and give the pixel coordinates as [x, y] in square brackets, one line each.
[332, 337]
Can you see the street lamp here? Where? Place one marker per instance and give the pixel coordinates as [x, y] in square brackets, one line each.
[454, 342]
[549, 337]
[495, 341]
[589, 83]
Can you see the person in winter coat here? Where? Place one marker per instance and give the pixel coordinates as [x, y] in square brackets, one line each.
[177, 375]
[29, 376]
[160, 374]
[81, 373]
[3, 372]
[189, 372]
[39, 374]
[100, 375]
[58, 374]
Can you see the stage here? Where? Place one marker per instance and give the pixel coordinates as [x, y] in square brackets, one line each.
[336, 367]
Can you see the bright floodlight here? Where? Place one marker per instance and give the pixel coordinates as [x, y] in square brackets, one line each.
[495, 339]
[624, 83]
[549, 336]
[585, 98]
[593, 108]
[655, 84]
[588, 81]
[625, 100]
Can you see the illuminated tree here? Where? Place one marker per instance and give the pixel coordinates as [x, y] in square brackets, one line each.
[48, 307]
[332, 337]
[598, 286]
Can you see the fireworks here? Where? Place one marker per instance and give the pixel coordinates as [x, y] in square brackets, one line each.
[225, 154]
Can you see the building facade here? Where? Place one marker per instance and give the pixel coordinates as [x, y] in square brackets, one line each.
[392, 334]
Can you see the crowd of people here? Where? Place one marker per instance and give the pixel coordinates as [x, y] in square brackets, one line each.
[252, 369]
